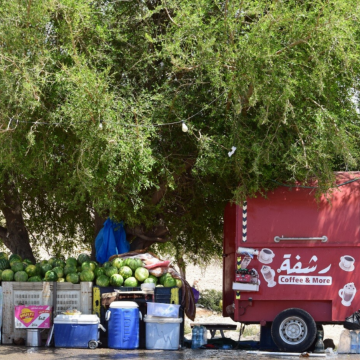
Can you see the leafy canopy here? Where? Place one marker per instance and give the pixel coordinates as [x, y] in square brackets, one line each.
[277, 80]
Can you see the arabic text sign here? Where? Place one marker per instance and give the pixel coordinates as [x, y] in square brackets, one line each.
[305, 280]
[32, 317]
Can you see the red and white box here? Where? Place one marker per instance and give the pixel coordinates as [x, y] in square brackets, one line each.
[33, 316]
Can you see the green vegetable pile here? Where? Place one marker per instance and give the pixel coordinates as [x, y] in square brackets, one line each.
[128, 272]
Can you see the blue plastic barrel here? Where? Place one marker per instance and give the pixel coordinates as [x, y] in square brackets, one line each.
[123, 325]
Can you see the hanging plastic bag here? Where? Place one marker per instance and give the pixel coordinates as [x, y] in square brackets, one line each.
[110, 241]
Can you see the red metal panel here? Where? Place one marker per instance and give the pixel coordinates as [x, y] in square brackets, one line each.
[295, 212]
[268, 309]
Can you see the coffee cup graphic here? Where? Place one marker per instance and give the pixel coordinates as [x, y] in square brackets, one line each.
[347, 294]
[347, 263]
[266, 256]
[269, 275]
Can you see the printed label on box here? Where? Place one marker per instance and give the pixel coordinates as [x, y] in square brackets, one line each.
[32, 317]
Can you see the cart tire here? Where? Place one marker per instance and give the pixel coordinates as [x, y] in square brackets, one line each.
[293, 330]
[93, 344]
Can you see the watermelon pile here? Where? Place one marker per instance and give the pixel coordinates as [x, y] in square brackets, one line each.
[129, 272]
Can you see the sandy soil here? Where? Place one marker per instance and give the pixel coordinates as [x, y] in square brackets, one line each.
[210, 277]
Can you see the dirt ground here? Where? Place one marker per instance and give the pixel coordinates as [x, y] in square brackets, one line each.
[210, 277]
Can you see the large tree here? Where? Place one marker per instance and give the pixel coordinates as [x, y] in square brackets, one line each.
[93, 95]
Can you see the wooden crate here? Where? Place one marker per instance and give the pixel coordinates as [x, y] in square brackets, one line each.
[76, 296]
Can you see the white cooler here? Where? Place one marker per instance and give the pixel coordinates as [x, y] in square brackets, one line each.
[162, 333]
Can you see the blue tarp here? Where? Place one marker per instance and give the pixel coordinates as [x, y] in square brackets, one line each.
[110, 241]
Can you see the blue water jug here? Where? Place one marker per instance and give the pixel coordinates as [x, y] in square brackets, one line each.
[123, 325]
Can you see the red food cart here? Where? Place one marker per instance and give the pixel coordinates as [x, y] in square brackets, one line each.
[290, 260]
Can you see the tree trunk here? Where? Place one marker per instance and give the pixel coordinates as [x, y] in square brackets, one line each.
[15, 236]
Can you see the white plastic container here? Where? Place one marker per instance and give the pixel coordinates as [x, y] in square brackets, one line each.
[162, 333]
[163, 310]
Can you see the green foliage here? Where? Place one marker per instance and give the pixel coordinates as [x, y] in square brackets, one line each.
[277, 80]
[210, 299]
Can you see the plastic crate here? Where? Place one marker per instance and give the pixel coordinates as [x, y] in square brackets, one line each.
[168, 295]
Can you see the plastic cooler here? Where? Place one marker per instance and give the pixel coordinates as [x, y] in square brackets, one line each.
[123, 325]
[76, 331]
[162, 333]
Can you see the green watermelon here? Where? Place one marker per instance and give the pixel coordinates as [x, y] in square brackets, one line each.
[45, 268]
[163, 277]
[35, 279]
[102, 281]
[111, 270]
[86, 265]
[141, 274]
[4, 264]
[139, 263]
[32, 270]
[94, 265]
[17, 266]
[27, 261]
[71, 261]
[13, 258]
[117, 262]
[107, 264]
[131, 263]
[60, 279]
[125, 272]
[51, 261]
[21, 276]
[0, 274]
[82, 258]
[79, 269]
[151, 279]
[131, 282]
[38, 267]
[87, 275]
[169, 282]
[73, 278]
[116, 280]
[59, 271]
[7, 275]
[4, 255]
[42, 262]
[99, 271]
[69, 269]
[178, 283]
[58, 263]
[50, 276]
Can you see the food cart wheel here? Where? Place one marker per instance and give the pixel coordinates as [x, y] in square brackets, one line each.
[93, 344]
[293, 330]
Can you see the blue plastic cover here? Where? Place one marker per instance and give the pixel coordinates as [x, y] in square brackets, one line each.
[110, 241]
